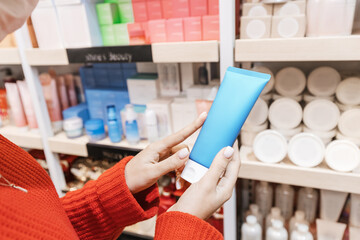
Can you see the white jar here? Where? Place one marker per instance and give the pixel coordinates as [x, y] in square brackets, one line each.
[301, 233]
[306, 150]
[73, 127]
[348, 90]
[298, 218]
[349, 124]
[290, 82]
[276, 231]
[270, 85]
[308, 98]
[258, 114]
[326, 136]
[321, 115]
[323, 81]
[339, 136]
[342, 155]
[285, 113]
[270, 146]
[251, 230]
[288, 133]
[330, 17]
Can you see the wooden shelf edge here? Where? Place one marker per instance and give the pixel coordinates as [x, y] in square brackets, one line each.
[47, 57]
[9, 56]
[21, 137]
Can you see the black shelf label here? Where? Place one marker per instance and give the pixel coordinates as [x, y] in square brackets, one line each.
[111, 153]
[140, 53]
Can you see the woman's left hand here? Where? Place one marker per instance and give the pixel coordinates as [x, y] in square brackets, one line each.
[157, 159]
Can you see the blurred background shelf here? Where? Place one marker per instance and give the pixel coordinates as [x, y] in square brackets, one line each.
[298, 49]
[285, 172]
[60, 143]
[22, 137]
[199, 51]
[46, 57]
[9, 56]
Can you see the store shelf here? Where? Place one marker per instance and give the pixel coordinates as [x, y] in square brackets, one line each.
[60, 143]
[46, 57]
[22, 137]
[9, 56]
[285, 172]
[298, 49]
[200, 51]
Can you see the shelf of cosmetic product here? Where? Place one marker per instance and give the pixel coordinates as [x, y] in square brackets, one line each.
[60, 143]
[198, 51]
[46, 57]
[9, 56]
[344, 48]
[285, 172]
[22, 137]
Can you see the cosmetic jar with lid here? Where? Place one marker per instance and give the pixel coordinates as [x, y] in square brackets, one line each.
[290, 82]
[348, 91]
[349, 124]
[270, 85]
[306, 150]
[258, 114]
[342, 155]
[323, 81]
[308, 98]
[249, 132]
[288, 133]
[95, 129]
[326, 136]
[340, 136]
[285, 113]
[270, 146]
[73, 127]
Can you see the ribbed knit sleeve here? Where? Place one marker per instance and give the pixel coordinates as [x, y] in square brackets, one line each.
[183, 226]
[102, 208]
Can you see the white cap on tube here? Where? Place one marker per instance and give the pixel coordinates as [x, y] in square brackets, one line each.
[193, 171]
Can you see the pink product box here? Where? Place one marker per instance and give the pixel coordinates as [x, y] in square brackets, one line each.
[198, 8]
[175, 30]
[139, 10]
[154, 9]
[192, 29]
[167, 8]
[213, 7]
[145, 27]
[210, 27]
[136, 33]
[157, 30]
[181, 8]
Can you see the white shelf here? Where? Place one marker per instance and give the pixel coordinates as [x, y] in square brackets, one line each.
[46, 57]
[22, 137]
[60, 143]
[199, 51]
[285, 172]
[298, 49]
[9, 56]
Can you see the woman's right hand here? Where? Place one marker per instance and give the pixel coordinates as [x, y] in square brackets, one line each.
[203, 198]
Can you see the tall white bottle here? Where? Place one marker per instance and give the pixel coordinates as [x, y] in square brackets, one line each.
[307, 202]
[301, 233]
[264, 197]
[251, 229]
[254, 210]
[298, 218]
[151, 126]
[276, 231]
[275, 214]
[284, 199]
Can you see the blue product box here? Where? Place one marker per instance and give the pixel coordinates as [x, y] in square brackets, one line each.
[87, 77]
[80, 110]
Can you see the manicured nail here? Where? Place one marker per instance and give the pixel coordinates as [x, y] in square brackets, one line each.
[183, 153]
[203, 115]
[228, 152]
[178, 184]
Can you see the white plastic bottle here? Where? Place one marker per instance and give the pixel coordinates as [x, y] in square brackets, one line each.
[254, 210]
[131, 125]
[307, 202]
[275, 214]
[251, 229]
[276, 231]
[284, 199]
[151, 125]
[298, 218]
[301, 233]
[264, 197]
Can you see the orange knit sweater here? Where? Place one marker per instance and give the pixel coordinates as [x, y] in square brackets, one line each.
[100, 210]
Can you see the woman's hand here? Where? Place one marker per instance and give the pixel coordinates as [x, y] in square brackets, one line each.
[203, 198]
[157, 159]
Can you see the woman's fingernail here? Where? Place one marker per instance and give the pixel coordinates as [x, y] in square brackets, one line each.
[183, 153]
[178, 184]
[228, 152]
[203, 115]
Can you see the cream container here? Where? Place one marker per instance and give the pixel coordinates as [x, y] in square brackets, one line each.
[349, 124]
[306, 150]
[258, 114]
[285, 113]
[348, 90]
[342, 155]
[257, 9]
[73, 127]
[344, 107]
[323, 81]
[249, 132]
[288, 133]
[331, 204]
[329, 230]
[255, 27]
[270, 146]
[288, 26]
[326, 137]
[339, 136]
[290, 82]
[270, 85]
[308, 98]
[297, 98]
[290, 8]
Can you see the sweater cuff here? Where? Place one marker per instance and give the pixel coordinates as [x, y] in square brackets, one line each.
[178, 225]
[122, 206]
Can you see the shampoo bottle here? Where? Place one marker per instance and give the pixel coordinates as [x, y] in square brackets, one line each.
[131, 125]
[251, 229]
[254, 210]
[307, 202]
[301, 233]
[114, 129]
[275, 214]
[264, 197]
[237, 95]
[298, 218]
[276, 231]
[284, 199]
[151, 125]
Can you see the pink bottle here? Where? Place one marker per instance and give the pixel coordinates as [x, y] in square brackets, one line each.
[192, 29]
[175, 30]
[61, 87]
[198, 8]
[70, 86]
[17, 109]
[181, 8]
[154, 9]
[27, 103]
[157, 31]
[139, 10]
[210, 27]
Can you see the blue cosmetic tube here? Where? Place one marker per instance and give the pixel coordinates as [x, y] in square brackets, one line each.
[237, 95]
